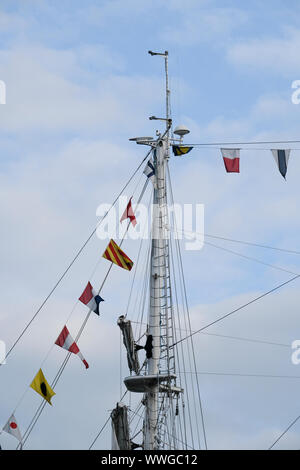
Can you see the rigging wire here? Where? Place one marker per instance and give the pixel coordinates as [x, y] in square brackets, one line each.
[284, 432]
[251, 258]
[76, 303]
[173, 281]
[271, 343]
[241, 307]
[182, 354]
[58, 375]
[245, 143]
[74, 259]
[238, 338]
[242, 242]
[137, 263]
[237, 374]
[242, 148]
[188, 313]
[175, 438]
[53, 345]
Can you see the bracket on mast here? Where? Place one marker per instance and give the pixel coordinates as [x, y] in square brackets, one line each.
[158, 53]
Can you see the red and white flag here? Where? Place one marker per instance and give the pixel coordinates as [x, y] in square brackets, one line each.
[128, 214]
[12, 428]
[66, 341]
[231, 159]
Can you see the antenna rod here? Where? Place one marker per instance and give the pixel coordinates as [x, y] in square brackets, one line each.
[166, 56]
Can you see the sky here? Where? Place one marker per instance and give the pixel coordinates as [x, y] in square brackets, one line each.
[79, 84]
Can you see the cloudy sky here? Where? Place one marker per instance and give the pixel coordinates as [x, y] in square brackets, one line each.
[79, 84]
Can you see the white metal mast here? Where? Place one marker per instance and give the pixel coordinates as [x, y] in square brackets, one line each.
[157, 275]
[158, 385]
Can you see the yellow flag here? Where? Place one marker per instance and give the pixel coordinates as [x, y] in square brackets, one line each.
[41, 386]
[114, 254]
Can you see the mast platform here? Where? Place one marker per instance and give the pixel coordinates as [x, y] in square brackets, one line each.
[145, 383]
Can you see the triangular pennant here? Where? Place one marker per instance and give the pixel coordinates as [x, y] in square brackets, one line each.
[66, 341]
[128, 214]
[281, 158]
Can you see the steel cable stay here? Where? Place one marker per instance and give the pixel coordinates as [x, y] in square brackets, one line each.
[187, 386]
[176, 349]
[104, 425]
[74, 259]
[146, 264]
[244, 143]
[71, 313]
[189, 360]
[161, 427]
[182, 277]
[237, 374]
[191, 448]
[190, 233]
[172, 281]
[250, 258]
[284, 432]
[62, 367]
[238, 338]
[182, 358]
[253, 375]
[191, 352]
[240, 308]
[288, 281]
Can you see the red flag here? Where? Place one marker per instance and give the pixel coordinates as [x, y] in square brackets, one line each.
[66, 341]
[231, 159]
[128, 214]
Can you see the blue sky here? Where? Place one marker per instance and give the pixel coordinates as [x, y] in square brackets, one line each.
[79, 84]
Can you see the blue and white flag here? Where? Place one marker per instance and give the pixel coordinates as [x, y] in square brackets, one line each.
[149, 171]
[281, 158]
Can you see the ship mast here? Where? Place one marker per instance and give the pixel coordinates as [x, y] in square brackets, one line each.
[159, 383]
[158, 312]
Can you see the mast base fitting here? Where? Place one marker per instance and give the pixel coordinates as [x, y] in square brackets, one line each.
[145, 383]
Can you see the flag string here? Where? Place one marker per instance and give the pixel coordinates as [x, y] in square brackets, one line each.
[73, 260]
[64, 363]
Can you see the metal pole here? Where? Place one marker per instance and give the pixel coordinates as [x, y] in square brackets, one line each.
[157, 279]
[167, 100]
[157, 275]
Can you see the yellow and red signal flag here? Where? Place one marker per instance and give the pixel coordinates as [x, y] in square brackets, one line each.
[128, 214]
[114, 254]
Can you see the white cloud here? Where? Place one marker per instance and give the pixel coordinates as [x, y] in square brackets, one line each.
[55, 93]
[203, 25]
[11, 22]
[269, 54]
